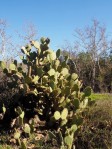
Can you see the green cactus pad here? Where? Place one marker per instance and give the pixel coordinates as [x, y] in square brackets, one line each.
[64, 114]
[57, 115]
[51, 72]
[56, 92]
[23, 145]
[77, 120]
[22, 115]
[52, 84]
[18, 110]
[68, 141]
[4, 109]
[75, 87]
[67, 90]
[28, 80]
[52, 55]
[63, 122]
[28, 47]
[57, 63]
[73, 128]
[42, 40]
[35, 44]
[17, 135]
[24, 51]
[76, 103]
[27, 129]
[39, 71]
[5, 70]
[58, 53]
[61, 99]
[35, 79]
[64, 71]
[12, 67]
[84, 103]
[87, 91]
[74, 76]
[2, 64]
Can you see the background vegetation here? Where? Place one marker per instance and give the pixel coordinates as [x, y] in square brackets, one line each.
[92, 56]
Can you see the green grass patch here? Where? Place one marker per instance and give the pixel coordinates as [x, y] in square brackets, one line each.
[99, 96]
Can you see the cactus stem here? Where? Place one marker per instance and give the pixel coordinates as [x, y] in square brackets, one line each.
[29, 71]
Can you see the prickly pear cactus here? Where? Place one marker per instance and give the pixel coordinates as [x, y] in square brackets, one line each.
[56, 90]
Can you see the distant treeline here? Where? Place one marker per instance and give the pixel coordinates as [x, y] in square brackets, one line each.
[92, 56]
[97, 73]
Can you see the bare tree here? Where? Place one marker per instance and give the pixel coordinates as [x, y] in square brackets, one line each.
[94, 40]
[4, 39]
[7, 48]
[29, 32]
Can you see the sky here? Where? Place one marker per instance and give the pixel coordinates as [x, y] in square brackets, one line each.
[56, 19]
